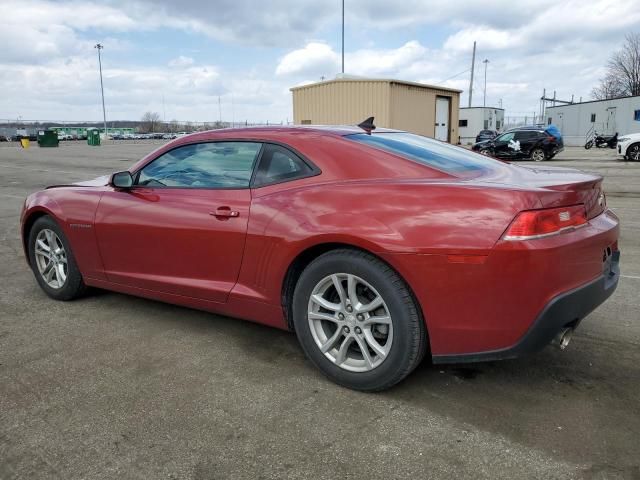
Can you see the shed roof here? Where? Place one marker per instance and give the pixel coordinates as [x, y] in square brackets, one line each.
[382, 80]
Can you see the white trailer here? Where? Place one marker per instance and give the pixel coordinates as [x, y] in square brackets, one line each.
[577, 121]
[473, 119]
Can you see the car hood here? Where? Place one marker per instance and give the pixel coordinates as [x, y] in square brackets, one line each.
[483, 142]
[96, 182]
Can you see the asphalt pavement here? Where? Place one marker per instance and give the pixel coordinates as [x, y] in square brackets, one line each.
[112, 386]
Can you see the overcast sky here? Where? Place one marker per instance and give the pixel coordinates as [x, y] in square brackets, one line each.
[249, 53]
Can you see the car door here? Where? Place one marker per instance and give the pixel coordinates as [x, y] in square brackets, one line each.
[503, 146]
[526, 140]
[181, 228]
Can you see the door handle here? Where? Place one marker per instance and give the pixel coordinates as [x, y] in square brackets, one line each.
[225, 212]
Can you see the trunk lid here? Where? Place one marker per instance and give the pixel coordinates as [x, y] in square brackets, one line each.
[557, 186]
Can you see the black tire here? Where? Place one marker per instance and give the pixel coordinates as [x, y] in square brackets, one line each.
[409, 333]
[538, 155]
[588, 145]
[633, 152]
[73, 286]
[485, 151]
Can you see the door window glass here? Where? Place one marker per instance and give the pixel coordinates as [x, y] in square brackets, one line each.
[278, 164]
[505, 137]
[202, 165]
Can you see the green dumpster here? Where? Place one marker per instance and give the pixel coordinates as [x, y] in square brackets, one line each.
[93, 137]
[48, 138]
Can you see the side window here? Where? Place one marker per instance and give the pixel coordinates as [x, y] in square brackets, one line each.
[505, 137]
[203, 165]
[525, 135]
[278, 164]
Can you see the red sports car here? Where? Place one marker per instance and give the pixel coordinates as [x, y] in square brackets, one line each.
[374, 247]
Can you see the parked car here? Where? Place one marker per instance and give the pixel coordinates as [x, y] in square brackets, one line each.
[486, 135]
[376, 248]
[4, 138]
[629, 146]
[169, 136]
[64, 136]
[534, 143]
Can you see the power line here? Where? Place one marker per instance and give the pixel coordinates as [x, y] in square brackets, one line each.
[453, 76]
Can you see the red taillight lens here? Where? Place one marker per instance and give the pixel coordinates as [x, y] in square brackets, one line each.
[541, 223]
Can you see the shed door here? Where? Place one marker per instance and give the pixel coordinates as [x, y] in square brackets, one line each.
[442, 118]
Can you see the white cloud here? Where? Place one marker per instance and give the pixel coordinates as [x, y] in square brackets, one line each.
[315, 59]
[181, 62]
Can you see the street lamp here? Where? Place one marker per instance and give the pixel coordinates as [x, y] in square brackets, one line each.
[99, 47]
[343, 37]
[484, 100]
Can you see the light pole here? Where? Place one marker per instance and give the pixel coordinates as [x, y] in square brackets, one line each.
[343, 37]
[484, 100]
[104, 113]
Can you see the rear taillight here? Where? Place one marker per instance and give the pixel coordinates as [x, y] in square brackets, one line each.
[551, 138]
[542, 223]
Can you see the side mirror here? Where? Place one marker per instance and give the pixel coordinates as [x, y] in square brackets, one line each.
[122, 180]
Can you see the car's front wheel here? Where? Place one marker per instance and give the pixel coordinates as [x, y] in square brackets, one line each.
[52, 261]
[357, 321]
[633, 152]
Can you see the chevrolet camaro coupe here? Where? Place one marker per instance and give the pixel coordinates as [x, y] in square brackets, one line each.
[375, 247]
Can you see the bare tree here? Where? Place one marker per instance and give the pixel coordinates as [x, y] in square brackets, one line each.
[623, 71]
[150, 121]
[609, 87]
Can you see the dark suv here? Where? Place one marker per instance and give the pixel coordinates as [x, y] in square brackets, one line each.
[486, 135]
[534, 143]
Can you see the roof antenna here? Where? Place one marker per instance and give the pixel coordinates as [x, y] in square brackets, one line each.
[367, 125]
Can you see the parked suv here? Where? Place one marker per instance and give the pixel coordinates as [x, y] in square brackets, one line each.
[629, 146]
[486, 135]
[534, 143]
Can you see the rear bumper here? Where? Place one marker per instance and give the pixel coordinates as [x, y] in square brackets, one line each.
[568, 308]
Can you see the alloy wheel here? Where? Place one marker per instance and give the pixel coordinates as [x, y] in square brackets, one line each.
[537, 155]
[51, 258]
[350, 322]
[634, 153]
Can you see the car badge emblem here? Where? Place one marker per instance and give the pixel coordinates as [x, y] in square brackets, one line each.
[564, 216]
[601, 199]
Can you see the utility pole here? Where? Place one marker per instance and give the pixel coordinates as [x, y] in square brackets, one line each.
[473, 64]
[343, 37]
[164, 112]
[484, 100]
[219, 111]
[104, 112]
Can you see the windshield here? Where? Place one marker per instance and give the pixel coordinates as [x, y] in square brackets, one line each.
[433, 153]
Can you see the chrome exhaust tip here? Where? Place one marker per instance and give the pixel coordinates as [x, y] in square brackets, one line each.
[563, 338]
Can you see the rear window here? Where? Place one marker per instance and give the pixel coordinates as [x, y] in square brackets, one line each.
[433, 153]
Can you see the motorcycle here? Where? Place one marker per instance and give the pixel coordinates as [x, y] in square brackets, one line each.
[602, 141]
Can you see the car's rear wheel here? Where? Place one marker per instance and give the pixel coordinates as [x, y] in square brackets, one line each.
[633, 152]
[485, 151]
[537, 155]
[357, 321]
[52, 261]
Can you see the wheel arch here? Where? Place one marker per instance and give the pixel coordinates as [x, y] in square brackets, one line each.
[27, 224]
[308, 255]
[626, 152]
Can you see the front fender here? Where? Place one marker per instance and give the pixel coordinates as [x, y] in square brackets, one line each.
[74, 210]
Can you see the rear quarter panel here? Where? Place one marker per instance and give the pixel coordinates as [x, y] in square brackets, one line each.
[383, 217]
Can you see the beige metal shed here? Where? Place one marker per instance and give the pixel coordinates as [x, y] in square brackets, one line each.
[414, 107]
